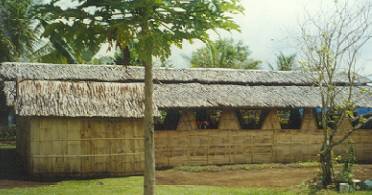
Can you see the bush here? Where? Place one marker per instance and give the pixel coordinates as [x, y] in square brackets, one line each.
[8, 132]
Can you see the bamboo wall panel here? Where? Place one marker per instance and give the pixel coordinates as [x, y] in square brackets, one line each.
[62, 147]
[209, 147]
[86, 147]
[229, 120]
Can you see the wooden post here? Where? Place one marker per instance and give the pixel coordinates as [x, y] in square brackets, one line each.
[187, 121]
[309, 120]
[271, 121]
[229, 120]
[149, 145]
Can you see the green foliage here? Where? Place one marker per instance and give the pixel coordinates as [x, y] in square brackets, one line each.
[120, 56]
[151, 26]
[66, 44]
[284, 62]
[348, 160]
[8, 132]
[224, 53]
[17, 37]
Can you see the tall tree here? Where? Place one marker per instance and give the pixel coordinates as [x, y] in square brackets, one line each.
[17, 36]
[224, 53]
[330, 42]
[154, 26]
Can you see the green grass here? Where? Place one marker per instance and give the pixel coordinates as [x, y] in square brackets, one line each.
[130, 185]
[7, 146]
[133, 185]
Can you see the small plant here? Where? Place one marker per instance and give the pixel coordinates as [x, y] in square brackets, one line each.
[347, 161]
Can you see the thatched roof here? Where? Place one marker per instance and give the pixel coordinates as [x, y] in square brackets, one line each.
[75, 99]
[194, 95]
[106, 99]
[117, 91]
[113, 73]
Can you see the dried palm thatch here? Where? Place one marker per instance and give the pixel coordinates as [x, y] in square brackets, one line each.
[74, 72]
[62, 98]
[75, 99]
[195, 95]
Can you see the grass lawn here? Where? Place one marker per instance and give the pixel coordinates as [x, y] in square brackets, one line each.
[133, 185]
[6, 145]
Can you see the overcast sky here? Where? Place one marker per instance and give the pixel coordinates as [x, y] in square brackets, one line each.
[269, 27]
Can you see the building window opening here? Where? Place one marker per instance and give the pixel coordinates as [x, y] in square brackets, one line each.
[207, 119]
[251, 119]
[167, 120]
[291, 118]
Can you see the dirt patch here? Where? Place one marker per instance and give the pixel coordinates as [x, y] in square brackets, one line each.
[269, 177]
[5, 183]
[265, 175]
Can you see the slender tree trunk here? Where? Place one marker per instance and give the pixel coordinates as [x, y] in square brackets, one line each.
[126, 55]
[326, 165]
[149, 169]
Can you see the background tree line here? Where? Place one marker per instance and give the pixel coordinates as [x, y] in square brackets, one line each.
[30, 32]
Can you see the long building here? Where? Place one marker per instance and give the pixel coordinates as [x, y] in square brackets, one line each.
[87, 120]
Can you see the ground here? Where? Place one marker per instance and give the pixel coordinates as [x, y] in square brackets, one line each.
[229, 179]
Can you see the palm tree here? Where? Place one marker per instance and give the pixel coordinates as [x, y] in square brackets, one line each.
[224, 53]
[17, 36]
[285, 63]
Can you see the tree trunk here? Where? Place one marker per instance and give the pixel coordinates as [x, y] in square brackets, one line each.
[326, 165]
[126, 56]
[149, 169]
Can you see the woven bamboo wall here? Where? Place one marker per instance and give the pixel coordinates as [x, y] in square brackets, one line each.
[83, 147]
[202, 147]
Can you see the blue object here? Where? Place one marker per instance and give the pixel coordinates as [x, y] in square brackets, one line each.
[363, 111]
[367, 184]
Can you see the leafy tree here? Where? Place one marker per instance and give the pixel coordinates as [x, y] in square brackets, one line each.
[65, 44]
[153, 26]
[224, 53]
[17, 37]
[127, 56]
[330, 43]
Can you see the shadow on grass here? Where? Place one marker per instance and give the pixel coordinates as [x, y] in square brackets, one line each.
[11, 169]
[10, 166]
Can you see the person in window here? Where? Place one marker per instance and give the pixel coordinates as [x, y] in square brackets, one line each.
[204, 124]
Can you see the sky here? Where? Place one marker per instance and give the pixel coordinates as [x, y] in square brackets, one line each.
[269, 27]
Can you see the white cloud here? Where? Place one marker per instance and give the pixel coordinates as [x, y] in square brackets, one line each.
[269, 27]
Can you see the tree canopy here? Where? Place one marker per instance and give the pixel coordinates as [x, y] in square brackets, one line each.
[224, 53]
[121, 22]
[17, 36]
